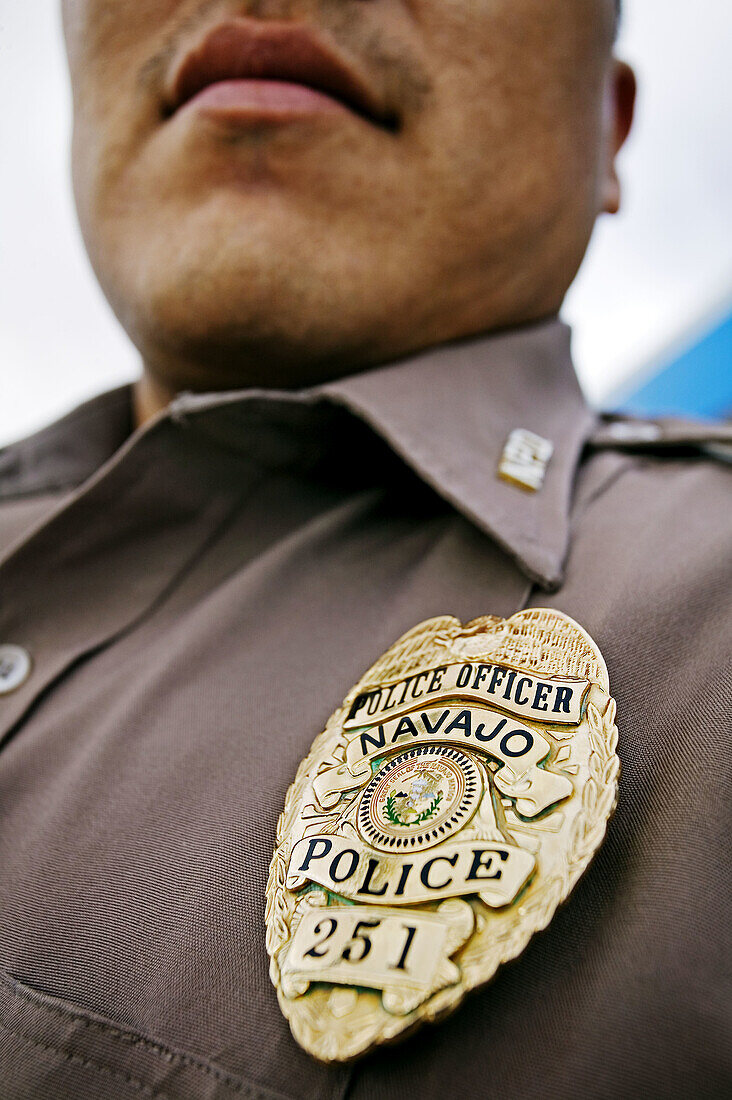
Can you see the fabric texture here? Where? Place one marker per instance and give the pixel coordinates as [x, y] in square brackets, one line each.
[197, 597]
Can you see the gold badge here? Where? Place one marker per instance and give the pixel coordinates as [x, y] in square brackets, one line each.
[447, 809]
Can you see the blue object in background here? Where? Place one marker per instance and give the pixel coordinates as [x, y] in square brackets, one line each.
[696, 383]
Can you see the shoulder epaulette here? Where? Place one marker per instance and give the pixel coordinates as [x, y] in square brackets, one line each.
[662, 436]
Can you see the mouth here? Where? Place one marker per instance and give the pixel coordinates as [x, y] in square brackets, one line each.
[246, 69]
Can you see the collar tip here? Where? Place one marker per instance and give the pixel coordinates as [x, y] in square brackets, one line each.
[552, 582]
[548, 575]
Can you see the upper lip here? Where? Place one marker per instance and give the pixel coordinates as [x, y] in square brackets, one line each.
[247, 49]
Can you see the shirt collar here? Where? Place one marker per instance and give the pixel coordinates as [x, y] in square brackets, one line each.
[447, 413]
[67, 452]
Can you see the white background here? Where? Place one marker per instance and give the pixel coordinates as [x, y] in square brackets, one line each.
[653, 273]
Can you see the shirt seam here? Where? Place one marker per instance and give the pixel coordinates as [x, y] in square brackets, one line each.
[615, 476]
[40, 490]
[119, 1035]
[86, 1063]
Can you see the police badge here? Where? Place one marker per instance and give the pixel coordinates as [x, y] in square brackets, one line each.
[448, 808]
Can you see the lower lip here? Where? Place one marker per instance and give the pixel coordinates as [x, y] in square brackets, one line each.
[263, 100]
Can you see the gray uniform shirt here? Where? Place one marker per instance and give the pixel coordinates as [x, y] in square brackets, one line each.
[199, 595]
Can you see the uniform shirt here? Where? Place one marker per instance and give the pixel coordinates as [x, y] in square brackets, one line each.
[198, 596]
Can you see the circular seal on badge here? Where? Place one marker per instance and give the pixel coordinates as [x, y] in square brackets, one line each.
[419, 798]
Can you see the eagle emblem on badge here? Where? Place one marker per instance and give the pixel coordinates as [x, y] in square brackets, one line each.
[449, 806]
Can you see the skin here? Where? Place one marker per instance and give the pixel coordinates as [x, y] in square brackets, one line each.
[283, 255]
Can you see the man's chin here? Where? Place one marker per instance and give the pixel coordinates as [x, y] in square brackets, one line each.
[271, 349]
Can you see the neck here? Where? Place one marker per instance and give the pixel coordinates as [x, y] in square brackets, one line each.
[149, 397]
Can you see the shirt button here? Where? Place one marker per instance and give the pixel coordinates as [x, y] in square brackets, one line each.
[15, 667]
